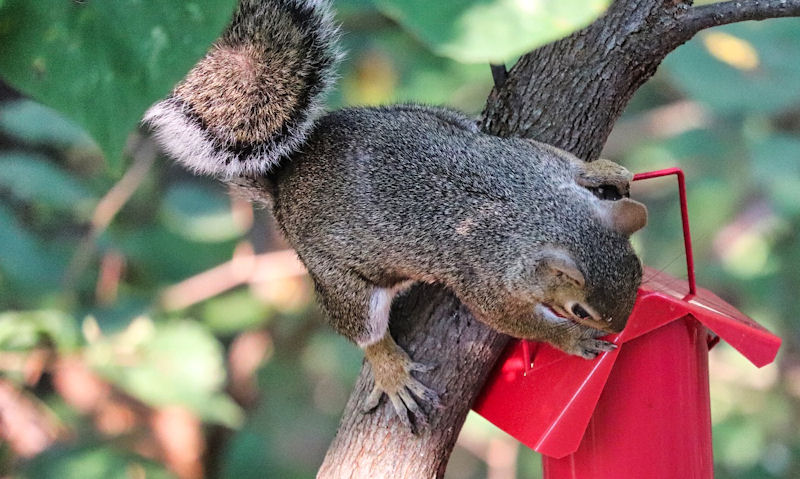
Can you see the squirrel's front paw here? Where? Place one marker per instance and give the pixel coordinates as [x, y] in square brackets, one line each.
[589, 348]
[391, 370]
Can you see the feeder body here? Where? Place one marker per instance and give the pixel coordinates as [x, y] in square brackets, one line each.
[653, 418]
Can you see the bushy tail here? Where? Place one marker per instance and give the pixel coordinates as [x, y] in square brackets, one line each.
[253, 97]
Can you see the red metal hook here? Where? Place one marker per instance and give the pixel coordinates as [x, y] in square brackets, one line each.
[687, 236]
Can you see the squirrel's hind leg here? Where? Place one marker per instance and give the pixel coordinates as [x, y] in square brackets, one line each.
[391, 369]
[359, 310]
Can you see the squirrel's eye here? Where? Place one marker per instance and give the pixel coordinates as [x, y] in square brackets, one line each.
[606, 192]
[578, 311]
[609, 193]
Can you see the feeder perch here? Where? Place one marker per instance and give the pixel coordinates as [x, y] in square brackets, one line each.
[641, 410]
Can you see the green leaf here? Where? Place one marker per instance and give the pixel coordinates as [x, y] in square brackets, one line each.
[775, 156]
[401, 69]
[178, 363]
[165, 257]
[103, 63]
[199, 214]
[233, 312]
[748, 67]
[34, 178]
[115, 317]
[777, 168]
[37, 124]
[25, 330]
[481, 31]
[23, 258]
[91, 462]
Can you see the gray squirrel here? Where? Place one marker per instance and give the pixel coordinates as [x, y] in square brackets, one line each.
[533, 240]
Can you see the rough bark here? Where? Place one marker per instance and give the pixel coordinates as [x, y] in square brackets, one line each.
[432, 325]
[569, 94]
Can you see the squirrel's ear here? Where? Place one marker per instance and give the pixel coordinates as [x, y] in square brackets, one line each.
[559, 262]
[625, 216]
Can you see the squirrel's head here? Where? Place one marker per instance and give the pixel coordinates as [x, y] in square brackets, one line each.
[596, 284]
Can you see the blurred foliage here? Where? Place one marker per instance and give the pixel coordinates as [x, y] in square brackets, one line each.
[176, 363]
[741, 152]
[123, 338]
[477, 31]
[104, 63]
[93, 461]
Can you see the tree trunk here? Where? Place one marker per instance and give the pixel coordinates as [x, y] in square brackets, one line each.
[569, 94]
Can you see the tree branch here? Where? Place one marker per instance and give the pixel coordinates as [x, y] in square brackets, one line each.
[723, 13]
[144, 155]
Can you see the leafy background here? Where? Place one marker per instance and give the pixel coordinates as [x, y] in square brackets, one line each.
[150, 326]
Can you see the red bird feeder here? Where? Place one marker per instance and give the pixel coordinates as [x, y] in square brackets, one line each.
[641, 410]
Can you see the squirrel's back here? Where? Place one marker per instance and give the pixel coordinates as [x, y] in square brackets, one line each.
[418, 192]
[252, 99]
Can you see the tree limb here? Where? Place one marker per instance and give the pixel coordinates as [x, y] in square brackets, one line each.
[723, 13]
[144, 155]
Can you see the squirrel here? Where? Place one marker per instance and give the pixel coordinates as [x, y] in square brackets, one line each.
[532, 239]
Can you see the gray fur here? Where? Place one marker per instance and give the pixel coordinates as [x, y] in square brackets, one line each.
[374, 199]
[381, 196]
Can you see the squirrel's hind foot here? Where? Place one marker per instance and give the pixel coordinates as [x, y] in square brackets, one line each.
[391, 369]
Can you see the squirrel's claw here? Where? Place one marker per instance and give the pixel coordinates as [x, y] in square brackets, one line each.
[590, 348]
[400, 410]
[424, 392]
[373, 400]
[404, 403]
[421, 368]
